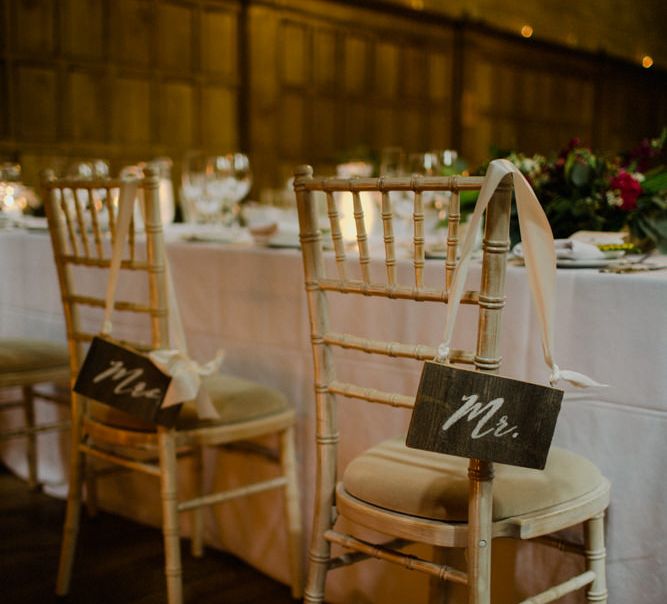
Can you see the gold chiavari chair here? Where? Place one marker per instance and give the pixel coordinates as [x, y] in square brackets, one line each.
[31, 365]
[410, 495]
[82, 223]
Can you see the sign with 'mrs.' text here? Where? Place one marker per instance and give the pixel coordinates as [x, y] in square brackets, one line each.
[127, 380]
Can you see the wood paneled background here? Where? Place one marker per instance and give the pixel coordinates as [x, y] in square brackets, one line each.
[299, 80]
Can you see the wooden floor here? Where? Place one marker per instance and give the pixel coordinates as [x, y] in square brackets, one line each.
[122, 565]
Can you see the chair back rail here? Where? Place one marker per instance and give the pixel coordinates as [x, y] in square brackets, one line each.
[489, 297]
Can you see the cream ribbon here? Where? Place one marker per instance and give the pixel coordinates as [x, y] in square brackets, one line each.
[186, 377]
[185, 373]
[540, 259]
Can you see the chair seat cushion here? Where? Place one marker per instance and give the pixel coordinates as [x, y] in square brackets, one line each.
[435, 486]
[21, 355]
[235, 399]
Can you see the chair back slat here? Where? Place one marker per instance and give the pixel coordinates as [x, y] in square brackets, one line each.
[61, 195]
[388, 236]
[453, 220]
[362, 237]
[336, 235]
[418, 241]
[80, 222]
[95, 224]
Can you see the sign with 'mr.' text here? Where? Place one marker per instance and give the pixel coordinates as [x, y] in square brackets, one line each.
[483, 416]
[127, 380]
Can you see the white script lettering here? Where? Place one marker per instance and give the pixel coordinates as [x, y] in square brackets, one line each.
[125, 379]
[472, 409]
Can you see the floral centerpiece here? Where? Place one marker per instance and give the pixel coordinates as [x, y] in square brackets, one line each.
[581, 190]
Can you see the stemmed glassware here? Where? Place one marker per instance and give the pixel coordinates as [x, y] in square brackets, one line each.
[193, 176]
[230, 181]
[213, 186]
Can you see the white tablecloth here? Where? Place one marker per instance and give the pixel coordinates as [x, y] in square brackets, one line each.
[250, 302]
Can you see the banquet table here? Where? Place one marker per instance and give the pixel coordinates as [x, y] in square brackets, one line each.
[249, 301]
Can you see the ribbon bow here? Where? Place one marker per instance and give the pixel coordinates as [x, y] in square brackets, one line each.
[186, 377]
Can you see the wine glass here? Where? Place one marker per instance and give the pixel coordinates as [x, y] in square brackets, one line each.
[88, 169]
[229, 181]
[193, 187]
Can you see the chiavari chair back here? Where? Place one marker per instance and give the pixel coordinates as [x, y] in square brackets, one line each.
[83, 222]
[411, 495]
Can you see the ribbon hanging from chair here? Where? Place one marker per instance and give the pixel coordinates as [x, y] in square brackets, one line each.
[186, 374]
[540, 259]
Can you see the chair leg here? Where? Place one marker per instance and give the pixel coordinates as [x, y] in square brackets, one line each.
[73, 512]
[595, 558]
[170, 525]
[29, 417]
[292, 510]
[320, 548]
[91, 490]
[480, 474]
[197, 539]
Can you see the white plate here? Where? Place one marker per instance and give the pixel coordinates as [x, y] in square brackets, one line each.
[284, 240]
[204, 233]
[435, 254]
[585, 262]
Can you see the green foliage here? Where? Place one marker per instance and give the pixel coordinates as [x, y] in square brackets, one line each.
[580, 190]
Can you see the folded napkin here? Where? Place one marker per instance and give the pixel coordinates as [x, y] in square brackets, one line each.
[569, 249]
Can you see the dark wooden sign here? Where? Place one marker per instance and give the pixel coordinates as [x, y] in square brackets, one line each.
[127, 380]
[483, 416]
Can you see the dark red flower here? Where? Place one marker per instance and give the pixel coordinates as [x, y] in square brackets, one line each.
[629, 188]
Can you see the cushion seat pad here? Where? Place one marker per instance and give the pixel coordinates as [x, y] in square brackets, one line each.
[235, 399]
[18, 355]
[435, 486]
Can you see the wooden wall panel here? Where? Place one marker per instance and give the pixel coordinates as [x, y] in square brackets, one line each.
[328, 129]
[4, 100]
[294, 60]
[387, 64]
[356, 71]
[219, 43]
[88, 101]
[520, 97]
[84, 28]
[175, 37]
[384, 136]
[37, 118]
[133, 24]
[177, 102]
[297, 80]
[356, 126]
[439, 77]
[34, 26]
[414, 73]
[292, 124]
[365, 80]
[131, 112]
[219, 124]
[324, 60]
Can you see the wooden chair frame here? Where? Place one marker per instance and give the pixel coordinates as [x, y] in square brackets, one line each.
[29, 382]
[331, 499]
[79, 241]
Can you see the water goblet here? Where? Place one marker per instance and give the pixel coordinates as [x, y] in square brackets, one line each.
[229, 181]
[194, 174]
